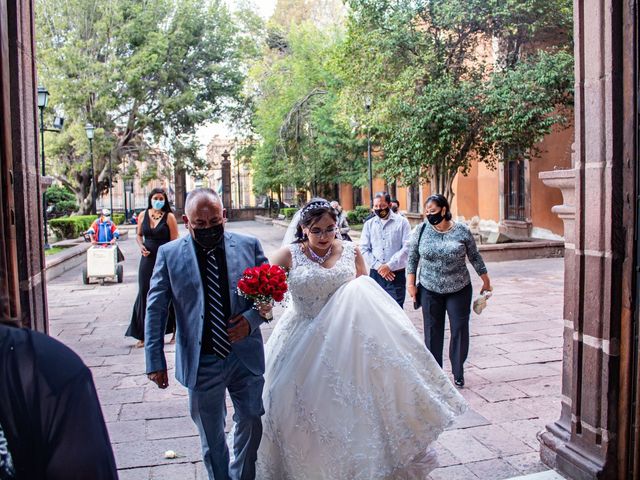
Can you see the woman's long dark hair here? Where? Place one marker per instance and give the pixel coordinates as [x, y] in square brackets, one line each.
[442, 202]
[166, 208]
[311, 213]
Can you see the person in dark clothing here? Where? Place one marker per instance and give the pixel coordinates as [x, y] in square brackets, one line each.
[157, 225]
[51, 423]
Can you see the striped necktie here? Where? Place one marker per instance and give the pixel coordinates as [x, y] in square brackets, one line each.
[216, 319]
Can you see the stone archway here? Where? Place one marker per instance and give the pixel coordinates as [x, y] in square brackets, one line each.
[596, 435]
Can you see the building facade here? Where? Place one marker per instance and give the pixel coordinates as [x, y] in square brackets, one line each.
[242, 195]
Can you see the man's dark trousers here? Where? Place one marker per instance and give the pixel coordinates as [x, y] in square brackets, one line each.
[397, 288]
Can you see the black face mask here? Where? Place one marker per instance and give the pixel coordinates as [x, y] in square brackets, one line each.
[382, 212]
[394, 209]
[208, 238]
[435, 218]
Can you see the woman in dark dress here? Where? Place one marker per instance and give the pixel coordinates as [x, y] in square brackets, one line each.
[157, 225]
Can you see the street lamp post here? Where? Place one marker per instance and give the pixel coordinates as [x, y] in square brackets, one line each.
[43, 101]
[110, 186]
[367, 107]
[90, 129]
[238, 175]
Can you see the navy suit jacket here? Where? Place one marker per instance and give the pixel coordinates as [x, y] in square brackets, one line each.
[176, 278]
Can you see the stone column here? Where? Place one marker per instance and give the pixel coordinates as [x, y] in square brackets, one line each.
[594, 299]
[558, 432]
[22, 203]
[180, 190]
[226, 182]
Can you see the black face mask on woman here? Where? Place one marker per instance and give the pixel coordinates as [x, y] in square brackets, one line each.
[208, 238]
[435, 218]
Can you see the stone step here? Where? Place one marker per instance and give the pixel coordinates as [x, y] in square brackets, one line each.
[546, 475]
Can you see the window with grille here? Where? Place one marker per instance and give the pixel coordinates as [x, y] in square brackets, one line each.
[515, 194]
[414, 198]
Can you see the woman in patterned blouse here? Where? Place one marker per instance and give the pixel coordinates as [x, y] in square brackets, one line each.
[441, 246]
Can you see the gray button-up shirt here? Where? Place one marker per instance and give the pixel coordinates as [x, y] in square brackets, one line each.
[386, 242]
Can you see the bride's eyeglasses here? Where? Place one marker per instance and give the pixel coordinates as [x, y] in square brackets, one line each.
[317, 232]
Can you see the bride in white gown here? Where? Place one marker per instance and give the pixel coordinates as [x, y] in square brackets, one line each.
[351, 391]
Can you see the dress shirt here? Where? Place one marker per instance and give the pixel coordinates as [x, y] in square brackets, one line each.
[386, 242]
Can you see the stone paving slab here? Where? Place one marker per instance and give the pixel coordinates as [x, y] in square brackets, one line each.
[512, 375]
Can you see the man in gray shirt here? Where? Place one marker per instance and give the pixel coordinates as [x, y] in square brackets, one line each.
[384, 244]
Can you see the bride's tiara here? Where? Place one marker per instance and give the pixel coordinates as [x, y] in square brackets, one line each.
[313, 206]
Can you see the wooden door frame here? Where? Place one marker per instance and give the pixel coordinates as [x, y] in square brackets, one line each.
[9, 284]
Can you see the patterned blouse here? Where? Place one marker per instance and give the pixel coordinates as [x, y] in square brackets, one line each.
[442, 258]
[6, 463]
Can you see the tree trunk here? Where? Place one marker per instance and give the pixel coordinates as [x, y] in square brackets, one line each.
[81, 189]
[441, 181]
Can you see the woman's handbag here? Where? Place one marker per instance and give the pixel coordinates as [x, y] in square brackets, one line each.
[416, 302]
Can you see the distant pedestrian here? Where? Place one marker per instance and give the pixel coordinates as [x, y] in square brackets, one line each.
[395, 205]
[156, 226]
[51, 423]
[342, 222]
[441, 246]
[103, 229]
[384, 245]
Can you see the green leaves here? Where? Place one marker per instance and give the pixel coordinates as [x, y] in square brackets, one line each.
[456, 81]
[145, 73]
[304, 140]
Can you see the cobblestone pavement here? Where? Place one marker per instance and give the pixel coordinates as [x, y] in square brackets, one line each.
[512, 375]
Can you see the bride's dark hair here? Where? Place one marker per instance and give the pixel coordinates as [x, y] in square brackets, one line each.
[311, 213]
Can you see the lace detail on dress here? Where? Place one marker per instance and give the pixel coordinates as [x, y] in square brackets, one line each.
[311, 285]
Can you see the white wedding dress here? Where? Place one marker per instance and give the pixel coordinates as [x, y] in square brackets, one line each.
[351, 391]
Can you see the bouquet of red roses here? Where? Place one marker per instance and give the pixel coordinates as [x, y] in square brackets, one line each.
[264, 284]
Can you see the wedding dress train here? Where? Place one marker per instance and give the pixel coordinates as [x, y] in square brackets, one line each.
[351, 391]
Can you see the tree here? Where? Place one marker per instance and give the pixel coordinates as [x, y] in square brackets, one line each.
[303, 140]
[439, 102]
[145, 73]
[61, 201]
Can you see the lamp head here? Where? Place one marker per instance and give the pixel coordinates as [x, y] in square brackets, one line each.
[58, 122]
[367, 103]
[90, 129]
[43, 97]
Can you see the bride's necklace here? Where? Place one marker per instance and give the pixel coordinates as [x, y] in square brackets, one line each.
[317, 258]
[157, 216]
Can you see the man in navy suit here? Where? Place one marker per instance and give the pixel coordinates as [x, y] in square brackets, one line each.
[218, 341]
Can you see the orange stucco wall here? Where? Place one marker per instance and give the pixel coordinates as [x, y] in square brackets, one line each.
[465, 201]
[378, 186]
[478, 193]
[346, 196]
[555, 155]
